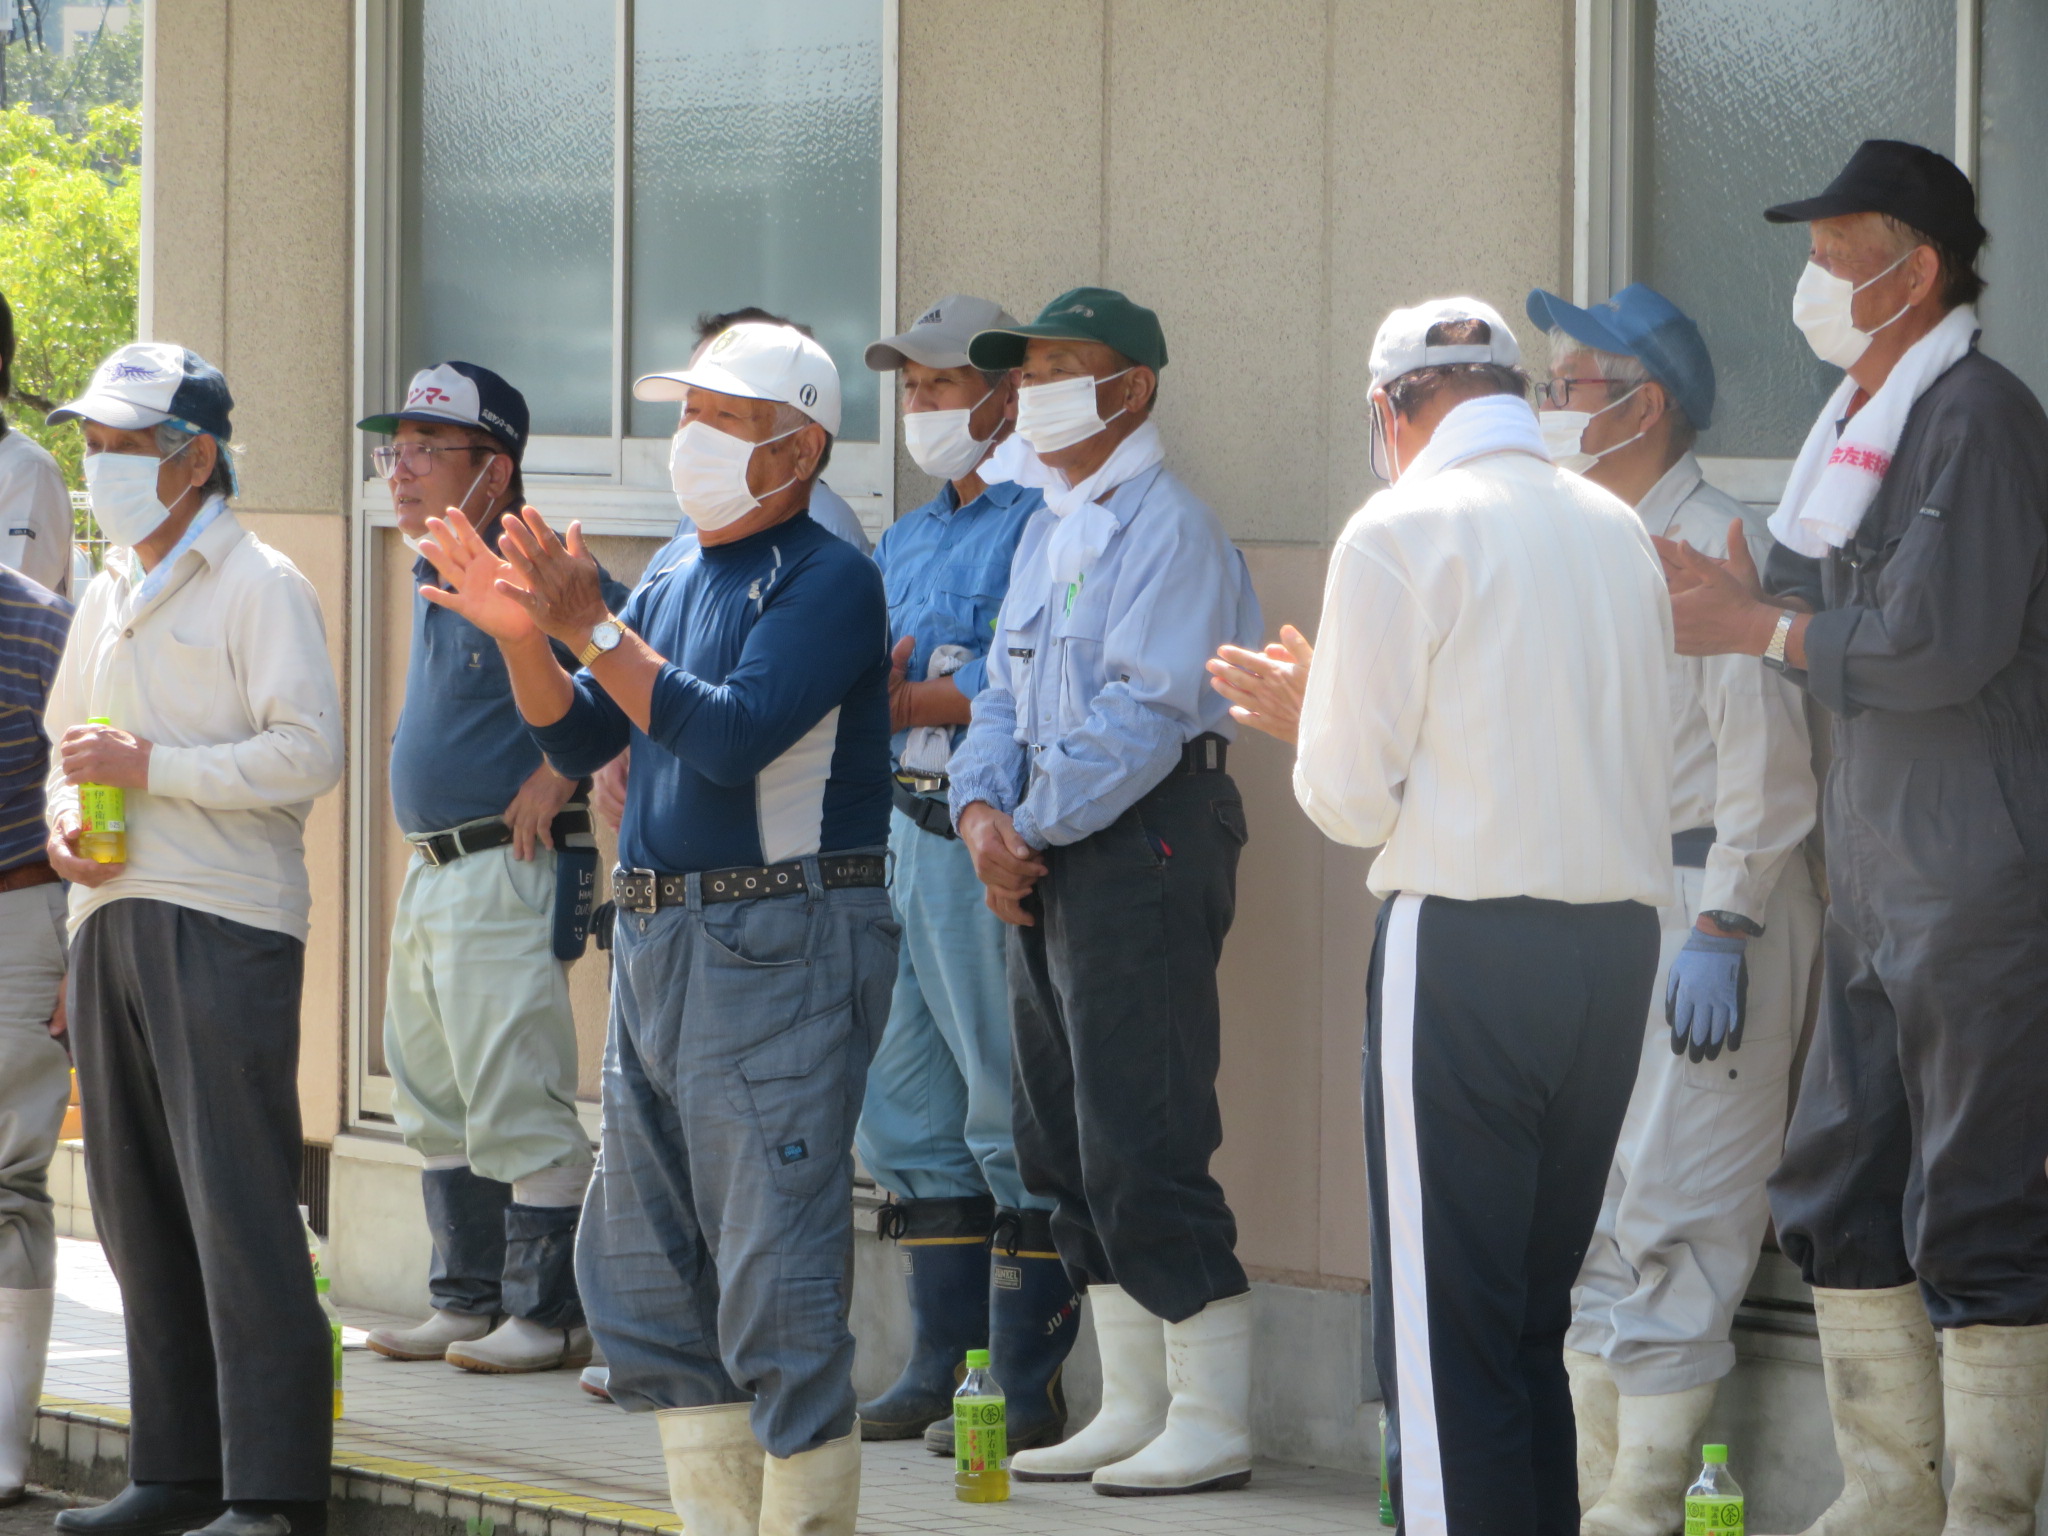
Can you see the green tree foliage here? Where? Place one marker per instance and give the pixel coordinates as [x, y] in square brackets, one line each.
[106, 72]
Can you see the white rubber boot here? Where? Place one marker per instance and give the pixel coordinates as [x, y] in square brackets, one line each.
[24, 1346]
[814, 1492]
[1207, 1442]
[1657, 1451]
[517, 1345]
[1995, 1393]
[714, 1468]
[1132, 1343]
[430, 1340]
[1595, 1401]
[1884, 1394]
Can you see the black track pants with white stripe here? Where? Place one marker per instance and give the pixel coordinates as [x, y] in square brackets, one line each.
[1501, 1045]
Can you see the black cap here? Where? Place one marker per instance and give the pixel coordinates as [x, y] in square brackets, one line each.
[1914, 185]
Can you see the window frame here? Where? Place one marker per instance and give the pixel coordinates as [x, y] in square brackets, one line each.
[618, 486]
[1607, 124]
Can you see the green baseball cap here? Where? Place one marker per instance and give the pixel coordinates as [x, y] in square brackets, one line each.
[1079, 314]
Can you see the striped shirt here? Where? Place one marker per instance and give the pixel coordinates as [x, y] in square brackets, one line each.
[33, 624]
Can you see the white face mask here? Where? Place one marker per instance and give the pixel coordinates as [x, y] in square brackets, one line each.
[414, 544]
[708, 470]
[1823, 307]
[1055, 416]
[121, 488]
[1564, 434]
[942, 442]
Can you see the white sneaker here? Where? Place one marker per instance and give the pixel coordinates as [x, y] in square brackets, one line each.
[430, 1340]
[597, 1381]
[517, 1345]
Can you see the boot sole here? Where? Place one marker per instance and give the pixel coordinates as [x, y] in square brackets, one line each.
[1020, 1476]
[392, 1352]
[1223, 1484]
[566, 1363]
[178, 1526]
[870, 1430]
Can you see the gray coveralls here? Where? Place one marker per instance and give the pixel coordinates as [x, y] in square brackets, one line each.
[1917, 1147]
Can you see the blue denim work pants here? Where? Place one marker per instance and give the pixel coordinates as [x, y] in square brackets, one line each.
[716, 1247]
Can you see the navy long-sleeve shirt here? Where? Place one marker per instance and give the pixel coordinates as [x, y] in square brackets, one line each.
[769, 730]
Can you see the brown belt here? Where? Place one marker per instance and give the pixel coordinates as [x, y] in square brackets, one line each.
[22, 876]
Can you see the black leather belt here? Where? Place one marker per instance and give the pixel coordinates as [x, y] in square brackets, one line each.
[1207, 753]
[1689, 848]
[440, 848]
[647, 890]
[933, 816]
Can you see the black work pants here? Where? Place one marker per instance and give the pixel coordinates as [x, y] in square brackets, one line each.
[1501, 1046]
[1114, 1013]
[186, 1027]
[1918, 1143]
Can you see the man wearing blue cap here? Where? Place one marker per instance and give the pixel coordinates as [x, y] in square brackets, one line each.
[204, 648]
[1631, 387]
[478, 1031]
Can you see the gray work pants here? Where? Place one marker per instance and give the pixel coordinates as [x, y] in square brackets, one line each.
[186, 1027]
[35, 1082]
[1917, 1147]
[716, 1247]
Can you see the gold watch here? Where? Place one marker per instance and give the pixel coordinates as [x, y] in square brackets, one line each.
[604, 636]
[1774, 653]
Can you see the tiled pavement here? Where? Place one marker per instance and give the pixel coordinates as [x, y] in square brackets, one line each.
[538, 1454]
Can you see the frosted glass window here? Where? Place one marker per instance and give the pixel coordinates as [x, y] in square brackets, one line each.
[2012, 187]
[1751, 104]
[757, 179]
[508, 207]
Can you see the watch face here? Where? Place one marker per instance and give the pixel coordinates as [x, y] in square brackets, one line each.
[607, 635]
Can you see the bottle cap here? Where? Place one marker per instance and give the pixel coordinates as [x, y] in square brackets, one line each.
[1715, 1455]
[977, 1359]
[99, 720]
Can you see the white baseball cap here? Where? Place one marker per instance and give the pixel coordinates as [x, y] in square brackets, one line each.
[1402, 345]
[147, 383]
[757, 361]
[939, 337]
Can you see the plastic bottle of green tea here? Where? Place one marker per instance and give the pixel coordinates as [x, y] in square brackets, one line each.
[981, 1438]
[1713, 1504]
[103, 818]
[1386, 1488]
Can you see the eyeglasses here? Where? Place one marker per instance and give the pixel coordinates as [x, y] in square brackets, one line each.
[1557, 393]
[418, 458]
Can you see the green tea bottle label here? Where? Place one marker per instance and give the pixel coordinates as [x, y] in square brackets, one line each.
[1713, 1515]
[981, 1438]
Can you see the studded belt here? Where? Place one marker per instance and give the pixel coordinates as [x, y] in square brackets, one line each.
[648, 890]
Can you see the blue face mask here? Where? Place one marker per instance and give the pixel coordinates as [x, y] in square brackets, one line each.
[121, 488]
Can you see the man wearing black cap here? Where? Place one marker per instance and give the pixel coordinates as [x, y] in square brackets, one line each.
[1910, 595]
[478, 1031]
[1091, 792]
[1631, 386]
[205, 651]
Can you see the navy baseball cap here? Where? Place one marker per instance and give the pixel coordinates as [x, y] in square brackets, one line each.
[148, 383]
[1640, 322]
[467, 396]
[1913, 184]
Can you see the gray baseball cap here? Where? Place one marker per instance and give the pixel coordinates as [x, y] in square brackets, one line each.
[940, 335]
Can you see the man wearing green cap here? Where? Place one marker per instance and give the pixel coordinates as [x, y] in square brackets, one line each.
[1091, 791]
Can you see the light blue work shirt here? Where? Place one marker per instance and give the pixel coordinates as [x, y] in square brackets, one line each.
[946, 568]
[1091, 697]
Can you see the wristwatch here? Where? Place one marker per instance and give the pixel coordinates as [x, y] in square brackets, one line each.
[1774, 653]
[605, 636]
[1735, 922]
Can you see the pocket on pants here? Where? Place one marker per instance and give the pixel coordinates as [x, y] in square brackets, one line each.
[797, 1091]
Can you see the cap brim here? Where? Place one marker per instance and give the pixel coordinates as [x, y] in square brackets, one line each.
[1547, 311]
[995, 350]
[1826, 206]
[389, 423]
[892, 352]
[677, 386]
[108, 411]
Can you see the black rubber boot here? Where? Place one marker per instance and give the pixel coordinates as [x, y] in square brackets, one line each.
[146, 1509]
[1033, 1316]
[945, 1250]
[540, 1264]
[466, 1219]
[269, 1517]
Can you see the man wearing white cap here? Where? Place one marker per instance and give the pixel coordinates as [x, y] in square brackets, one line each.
[935, 1132]
[754, 949]
[1487, 707]
[205, 650]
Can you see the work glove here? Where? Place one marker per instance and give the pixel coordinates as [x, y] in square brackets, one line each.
[1706, 995]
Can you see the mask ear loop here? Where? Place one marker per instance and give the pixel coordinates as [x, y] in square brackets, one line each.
[1887, 272]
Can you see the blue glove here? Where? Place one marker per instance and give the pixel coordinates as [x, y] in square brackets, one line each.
[1706, 996]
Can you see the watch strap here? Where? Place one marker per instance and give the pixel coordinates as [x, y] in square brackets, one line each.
[1735, 922]
[591, 649]
[1774, 653]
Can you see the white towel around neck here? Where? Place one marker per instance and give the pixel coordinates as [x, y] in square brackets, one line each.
[1836, 475]
[1472, 428]
[1085, 525]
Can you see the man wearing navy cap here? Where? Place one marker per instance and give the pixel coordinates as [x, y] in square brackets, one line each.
[1909, 592]
[1631, 387]
[205, 649]
[477, 1027]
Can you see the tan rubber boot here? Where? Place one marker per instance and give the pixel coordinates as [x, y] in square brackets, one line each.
[814, 1492]
[24, 1345]
[1884, 1395]
[1132, 1343]
[714, 1468]
[1995, 1393]
[1594, 1404]
[1657, 1440]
